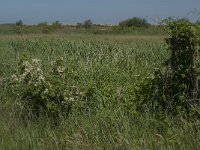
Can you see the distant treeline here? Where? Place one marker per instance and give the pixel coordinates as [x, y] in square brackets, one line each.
[135, 25]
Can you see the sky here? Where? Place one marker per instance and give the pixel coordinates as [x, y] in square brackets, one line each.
[99, 11]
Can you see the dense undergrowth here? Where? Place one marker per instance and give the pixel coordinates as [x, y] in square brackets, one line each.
[98, 81]
[176, 90]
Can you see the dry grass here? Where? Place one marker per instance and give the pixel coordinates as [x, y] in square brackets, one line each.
[118, 38]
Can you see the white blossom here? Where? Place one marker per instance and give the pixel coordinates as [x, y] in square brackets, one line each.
[61, 69]
[46, 91]
[14, 77]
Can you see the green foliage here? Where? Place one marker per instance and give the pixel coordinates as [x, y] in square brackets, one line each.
[101, 70]
[151, 30]
[110, 70]
[44, 27]
[79, 25]
[87, 24]
[177, 90]
[57, 27]
[19, 23]
[19, 27]
[150, 95]
[42, 24]
[198, 22]
[45, 93]
[134, 22]
[56, 24]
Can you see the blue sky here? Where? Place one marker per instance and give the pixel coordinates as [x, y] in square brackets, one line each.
[100, 11]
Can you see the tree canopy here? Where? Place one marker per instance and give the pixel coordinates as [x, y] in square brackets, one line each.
[134, 22]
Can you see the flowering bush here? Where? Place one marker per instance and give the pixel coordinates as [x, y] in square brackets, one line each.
[44, 92]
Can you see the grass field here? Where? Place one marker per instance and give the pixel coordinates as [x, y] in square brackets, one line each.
[103, 37]
[113, 66]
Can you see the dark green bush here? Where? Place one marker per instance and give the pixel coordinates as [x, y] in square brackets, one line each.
[134, 22]
[19, 23]
[56, 25]
[175, 91]
[87, 24]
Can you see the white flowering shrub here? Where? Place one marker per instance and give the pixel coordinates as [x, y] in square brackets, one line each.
[44, 92]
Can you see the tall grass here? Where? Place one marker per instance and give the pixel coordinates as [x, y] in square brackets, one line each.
[112, 70]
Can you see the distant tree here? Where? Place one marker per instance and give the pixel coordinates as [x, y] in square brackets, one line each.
[87, 24]
[44, 27]
[198, 22]
[57, 24]
[134, 22]
[43, 24]
[19, 23]
[79, 25]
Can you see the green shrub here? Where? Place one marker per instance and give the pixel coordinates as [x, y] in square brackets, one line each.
[79, 25]
[45, 93]
[42, 24]
[56, 25]
[44, 27]
[19, 23]
[87, 24]
[176, 91]
[134, 22]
